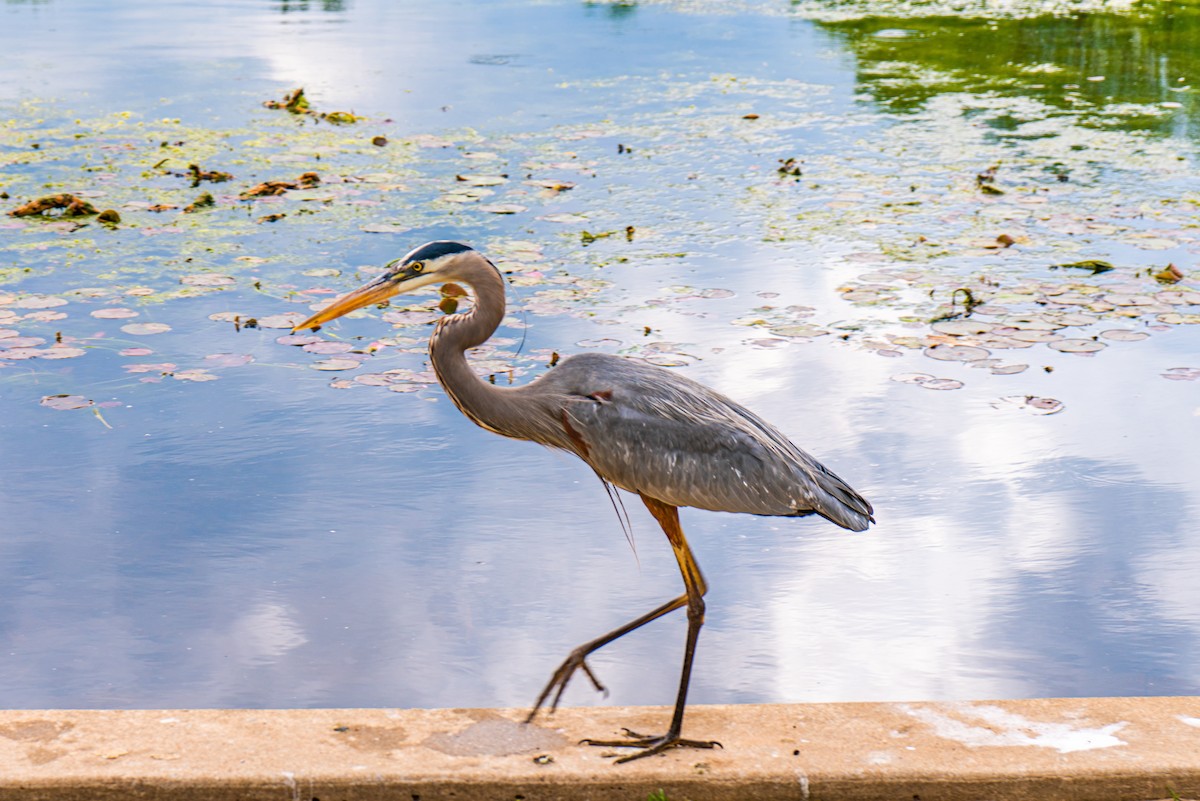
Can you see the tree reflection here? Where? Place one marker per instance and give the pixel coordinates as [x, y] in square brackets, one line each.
[1113, 70]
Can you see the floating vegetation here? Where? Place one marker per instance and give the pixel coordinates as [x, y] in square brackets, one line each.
[274, 188]
[197, 175]
[336, 364]
[65, 402]
[69, 205]
[295, 102]
[927, 381]
[1029, 404]
[899, 249]
[145, 329]
[1168, 275]
[956, 353]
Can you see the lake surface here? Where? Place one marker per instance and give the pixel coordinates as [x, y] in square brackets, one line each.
[827, 216]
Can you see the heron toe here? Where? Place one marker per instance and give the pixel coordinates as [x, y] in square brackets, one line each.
[649, 744]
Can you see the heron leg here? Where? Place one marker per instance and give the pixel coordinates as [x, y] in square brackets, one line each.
[693, 581]
[576, 659]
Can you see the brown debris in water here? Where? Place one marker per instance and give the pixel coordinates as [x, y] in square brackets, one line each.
[1168, 275]
[272, 188]
[212, 176]
[71, 205]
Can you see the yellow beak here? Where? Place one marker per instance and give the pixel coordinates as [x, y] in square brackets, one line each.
[376, 291]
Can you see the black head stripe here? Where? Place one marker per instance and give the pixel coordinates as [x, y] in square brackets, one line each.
[434, 250]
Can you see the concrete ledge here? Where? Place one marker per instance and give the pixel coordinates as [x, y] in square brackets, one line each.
[1107, 749]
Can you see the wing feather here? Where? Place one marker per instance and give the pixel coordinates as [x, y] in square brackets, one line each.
[653, 431]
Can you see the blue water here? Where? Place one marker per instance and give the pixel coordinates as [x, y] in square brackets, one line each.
[263, 540]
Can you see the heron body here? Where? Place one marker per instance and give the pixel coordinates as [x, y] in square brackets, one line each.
[645, 429]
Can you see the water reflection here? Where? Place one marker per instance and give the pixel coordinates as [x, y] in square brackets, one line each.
[1135, 71]
[264, 540]
[299, 6]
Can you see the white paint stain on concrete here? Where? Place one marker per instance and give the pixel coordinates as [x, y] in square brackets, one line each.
[879, 758]
[981, 725]
[1190, 720]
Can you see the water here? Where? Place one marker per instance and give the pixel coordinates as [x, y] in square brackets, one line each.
[265, 540]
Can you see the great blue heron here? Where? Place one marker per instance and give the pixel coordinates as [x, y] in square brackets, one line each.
[645, 429]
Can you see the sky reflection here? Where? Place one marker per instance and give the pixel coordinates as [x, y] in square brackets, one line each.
[265, 541]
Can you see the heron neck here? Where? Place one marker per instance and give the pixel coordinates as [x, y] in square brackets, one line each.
[480, 401]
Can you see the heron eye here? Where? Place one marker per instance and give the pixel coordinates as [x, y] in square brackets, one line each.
[417, 267]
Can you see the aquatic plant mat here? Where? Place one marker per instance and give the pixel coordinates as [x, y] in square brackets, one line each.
[983, 229]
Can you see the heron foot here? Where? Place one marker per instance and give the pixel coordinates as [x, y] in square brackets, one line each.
[576, 660]
[650, 745]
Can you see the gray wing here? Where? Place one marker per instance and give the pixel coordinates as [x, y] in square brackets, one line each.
[652, 431]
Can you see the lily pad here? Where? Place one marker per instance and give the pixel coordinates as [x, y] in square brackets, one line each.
[374, 379]
[61, 352]
[208, 279]
[44, 316]
[40, 302]
[285, 320]
[1124, 335]
[1009, 369]
[145, 329]
[804, 331]
[557, 186]
[410, 317]
[912, 378]
[1120, 299]
[1033, 323]
[564, 218]
[228, 359]
[956, 353]
[336, 364]
[1035, 336]
[383, 228]
[468, 194]
[65, 402]
[22, 342]
[194, 375]
[482, 180]
[1065, 318]
[1174, 318]
[298, 339]
[327, 347]
[942, 383]
[962, 327]
[1078, 346]
[161, 367]
[1030, 404]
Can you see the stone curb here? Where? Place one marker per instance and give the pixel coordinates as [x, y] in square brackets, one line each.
[1106, 749]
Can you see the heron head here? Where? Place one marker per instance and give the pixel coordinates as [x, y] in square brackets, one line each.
[428, 264]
